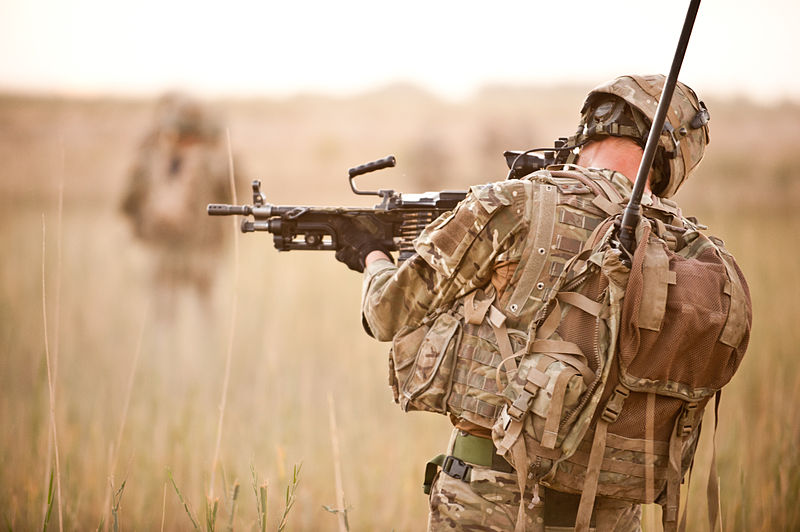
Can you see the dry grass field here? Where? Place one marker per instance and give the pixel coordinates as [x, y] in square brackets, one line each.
[137, 396]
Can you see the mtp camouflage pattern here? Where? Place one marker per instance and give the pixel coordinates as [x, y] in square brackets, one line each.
[444, 358]
[489, 502]
[682, 143]
[481, 275]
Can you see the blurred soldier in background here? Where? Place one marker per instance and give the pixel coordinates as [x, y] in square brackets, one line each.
[182, 165]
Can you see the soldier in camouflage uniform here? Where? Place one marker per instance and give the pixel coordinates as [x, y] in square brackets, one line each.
[181, 166]
[458, 311]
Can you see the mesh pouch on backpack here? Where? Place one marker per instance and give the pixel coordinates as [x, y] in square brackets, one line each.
[657, 355]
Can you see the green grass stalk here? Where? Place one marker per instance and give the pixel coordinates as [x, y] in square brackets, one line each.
[234, 497]
[50, 385]
[291, 491]
[261, 499]
[183, 502]
[57, 309]
[116, 503]
[341, 512]
[129, 391]
[163, 506]
[232, 328]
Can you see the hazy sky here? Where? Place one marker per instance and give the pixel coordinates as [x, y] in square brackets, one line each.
[281, 47]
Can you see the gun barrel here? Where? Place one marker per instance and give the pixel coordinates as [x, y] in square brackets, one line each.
[220, 209]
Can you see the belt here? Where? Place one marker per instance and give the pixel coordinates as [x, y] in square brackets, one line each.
[468, 450]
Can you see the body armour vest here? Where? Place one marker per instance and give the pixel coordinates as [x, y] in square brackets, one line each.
[455, 362]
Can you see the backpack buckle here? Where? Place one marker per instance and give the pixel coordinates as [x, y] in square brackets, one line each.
[614, 405]
[520, 406]
[456, 468]
[687, 420]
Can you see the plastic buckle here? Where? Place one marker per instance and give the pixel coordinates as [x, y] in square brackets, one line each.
[687, 421]
[614, 405]
[456, 468]
[520, 406]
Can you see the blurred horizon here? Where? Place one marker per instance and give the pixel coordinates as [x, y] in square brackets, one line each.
[87, 48]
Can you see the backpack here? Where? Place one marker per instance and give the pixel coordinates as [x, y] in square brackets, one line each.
[608, 397]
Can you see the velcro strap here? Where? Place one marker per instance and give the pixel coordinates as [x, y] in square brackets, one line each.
[592, 477]
[474, 312]
[551, 323]
[582, 302]
[496, 317]
[585, 371]
[671, 506]
[656, 279]
[736, 324]
[553, 420]
[606, 206]
[556, 346]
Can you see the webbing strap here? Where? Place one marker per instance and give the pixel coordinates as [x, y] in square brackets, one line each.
[513, 430]
[592, 477]
[474, 312]
[508, 361]
[551, 323]
[542, 217]
[596, 190]
[649, 434]
[431, 468]
[670, 509]
[736, 324]
[610, 414]
[556, 346]
[611, 192]
[553, 420]
[656, 280]
[585, 371]
[576, 299]
[521, 464]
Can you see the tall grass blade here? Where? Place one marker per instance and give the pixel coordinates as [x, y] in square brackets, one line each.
[183, 502]
[126, 404]
[261, 499]
[337, 468]
[115, 508]
[232, 328]
[163, 506]
[50, 384]
[49, 505]
[211, 514]
[291, 490]
[234, 499]
[57, 310]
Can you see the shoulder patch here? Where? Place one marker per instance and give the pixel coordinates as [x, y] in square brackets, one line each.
[494, 195]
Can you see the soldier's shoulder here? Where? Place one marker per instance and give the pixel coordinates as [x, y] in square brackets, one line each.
[491, 196]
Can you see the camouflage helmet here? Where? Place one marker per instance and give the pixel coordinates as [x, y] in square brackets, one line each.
[626, 106]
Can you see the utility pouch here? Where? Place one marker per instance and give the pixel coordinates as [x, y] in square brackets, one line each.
[421, 363]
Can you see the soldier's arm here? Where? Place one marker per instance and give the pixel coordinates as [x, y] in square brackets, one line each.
[454, 256]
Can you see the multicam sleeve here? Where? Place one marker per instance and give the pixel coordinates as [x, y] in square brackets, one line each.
[455, 255]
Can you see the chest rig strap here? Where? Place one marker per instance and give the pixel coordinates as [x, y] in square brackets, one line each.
[542, 216]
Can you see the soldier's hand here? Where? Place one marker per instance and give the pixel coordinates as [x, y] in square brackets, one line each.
[354, 243]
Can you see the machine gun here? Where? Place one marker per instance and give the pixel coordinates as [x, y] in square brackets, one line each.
[396, 221]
